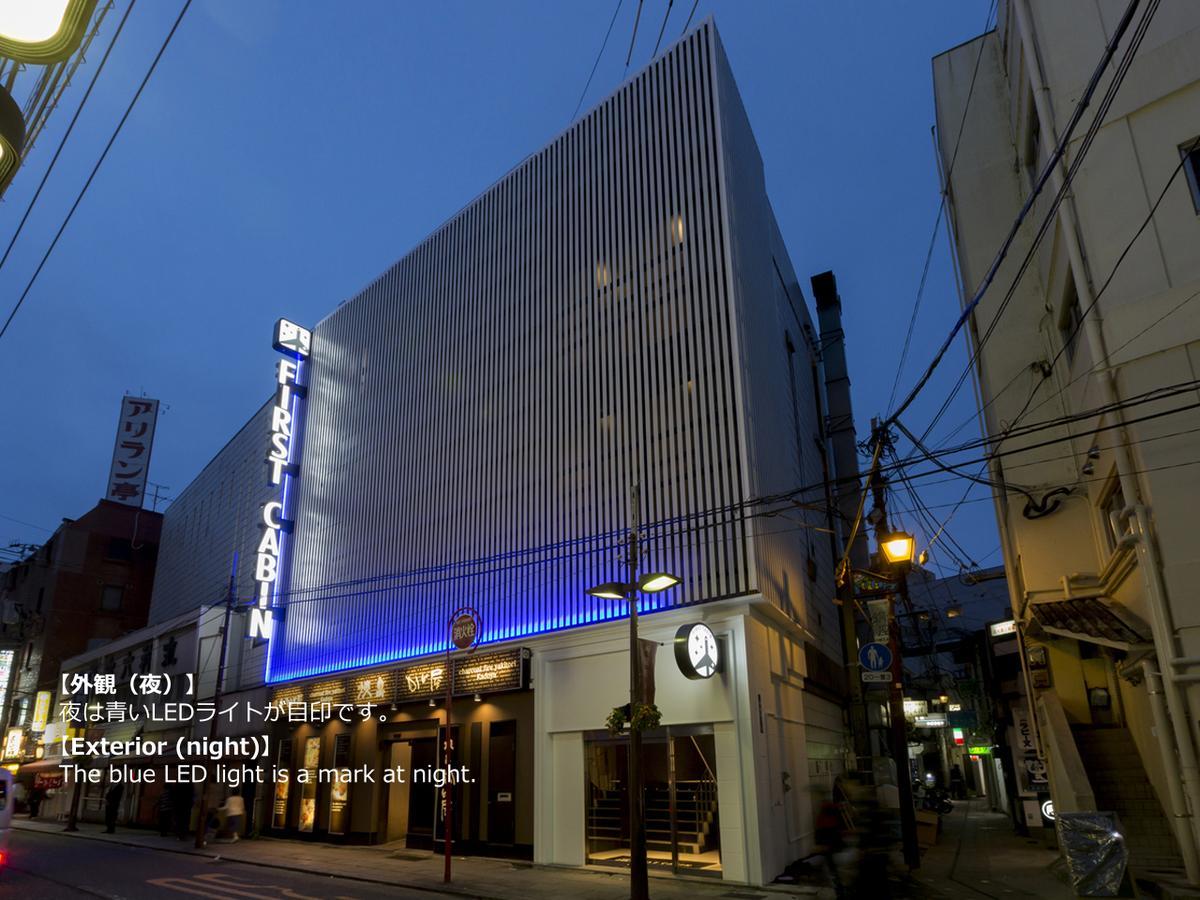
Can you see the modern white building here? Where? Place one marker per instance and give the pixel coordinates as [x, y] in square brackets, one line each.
[619, 309]
[1098, 343]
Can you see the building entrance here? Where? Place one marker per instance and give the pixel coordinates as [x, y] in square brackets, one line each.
[682, 812]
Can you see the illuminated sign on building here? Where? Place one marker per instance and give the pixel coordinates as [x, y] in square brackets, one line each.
[13, 741]
[376, 688]
[425, 680]
[295, 342]
[915, 708]
[1002, 628]
[933, 720]
[984, 750]
[493, 672]
[41, 711]
[504, 670]
[6, 663]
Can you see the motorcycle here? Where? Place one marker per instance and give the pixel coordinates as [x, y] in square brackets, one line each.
[933, 799]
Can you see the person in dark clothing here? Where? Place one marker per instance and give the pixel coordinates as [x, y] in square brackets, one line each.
[112, 804]
[181, 806]
[958, 788]
[35, 801]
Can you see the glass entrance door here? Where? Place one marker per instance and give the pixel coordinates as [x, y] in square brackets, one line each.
[682, 812]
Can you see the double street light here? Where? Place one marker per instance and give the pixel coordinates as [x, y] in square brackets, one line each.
[651, 583]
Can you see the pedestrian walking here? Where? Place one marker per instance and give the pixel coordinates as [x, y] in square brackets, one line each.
[112, 804]
[234, 808]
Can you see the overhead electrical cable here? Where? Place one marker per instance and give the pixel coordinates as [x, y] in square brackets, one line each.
[662, 28]
[1010, 238]
[633, 38]
[941, 211]
[592, 74]
[1049, 219]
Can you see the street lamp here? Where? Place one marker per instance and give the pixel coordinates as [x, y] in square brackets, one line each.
[41, 32]
[651, 583]
[897, 548]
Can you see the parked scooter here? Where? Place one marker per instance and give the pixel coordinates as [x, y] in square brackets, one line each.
[933, 799]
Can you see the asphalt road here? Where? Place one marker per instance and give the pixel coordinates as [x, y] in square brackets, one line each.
[50, 866]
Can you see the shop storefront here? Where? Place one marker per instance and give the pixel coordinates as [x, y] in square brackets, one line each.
[390, 762]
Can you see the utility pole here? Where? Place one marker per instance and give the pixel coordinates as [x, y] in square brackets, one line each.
[639, 885]
[899, 734]
[230, 601]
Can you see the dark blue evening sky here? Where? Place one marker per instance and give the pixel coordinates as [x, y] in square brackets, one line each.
[284, 154]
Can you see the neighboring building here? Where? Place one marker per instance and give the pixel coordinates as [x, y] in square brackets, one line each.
[1103, 578]
[88, 584]
[172, 652]
[618, 309]
[209, 533]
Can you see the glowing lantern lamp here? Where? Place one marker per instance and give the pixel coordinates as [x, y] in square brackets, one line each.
[12, 137]
[41, 32]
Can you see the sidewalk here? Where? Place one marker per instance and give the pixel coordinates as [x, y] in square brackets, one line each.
[979, 855]
[479, 877]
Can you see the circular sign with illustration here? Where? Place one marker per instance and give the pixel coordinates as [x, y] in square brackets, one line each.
[465, 630]
[696, 651]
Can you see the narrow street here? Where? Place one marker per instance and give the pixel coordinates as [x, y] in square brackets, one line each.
[138, 864]
[978, 855]
[43, 866]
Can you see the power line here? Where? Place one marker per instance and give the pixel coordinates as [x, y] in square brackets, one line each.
[912, 322]
[66, 134]
[1050, 218]
[1069, 339]
[96, 168]
[689, 18]
[633, 38]
[1082, 375]
[1006, 245]
[592, 74]
[662, 28]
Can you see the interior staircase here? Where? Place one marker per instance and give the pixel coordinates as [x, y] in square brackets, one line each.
[1118, 780]
[695, 818]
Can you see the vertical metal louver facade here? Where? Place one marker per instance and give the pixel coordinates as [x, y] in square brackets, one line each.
[476, 416]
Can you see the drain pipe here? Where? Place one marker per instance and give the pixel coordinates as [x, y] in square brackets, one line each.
[1147, 552]
[1179, 814]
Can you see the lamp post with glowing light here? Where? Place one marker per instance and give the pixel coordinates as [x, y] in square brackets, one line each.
[628, 590]
[896, 550]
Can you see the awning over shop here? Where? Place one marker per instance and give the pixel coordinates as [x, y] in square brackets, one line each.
[1088, 619]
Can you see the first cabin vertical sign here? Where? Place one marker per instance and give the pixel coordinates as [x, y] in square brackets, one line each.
[294, 343]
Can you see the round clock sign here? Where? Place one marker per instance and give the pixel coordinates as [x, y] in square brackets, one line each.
[696, 651]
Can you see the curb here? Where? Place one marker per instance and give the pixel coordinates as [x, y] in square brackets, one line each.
[443, 890]
[207, 854]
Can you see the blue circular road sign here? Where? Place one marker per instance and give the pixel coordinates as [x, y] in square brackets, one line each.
[875, 657]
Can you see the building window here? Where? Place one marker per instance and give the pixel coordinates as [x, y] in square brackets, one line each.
[120, 549]
[1111, 504]
[169, 651]
[1070, 320]
[1191, 167]
[1033, 143]
[110, 597]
